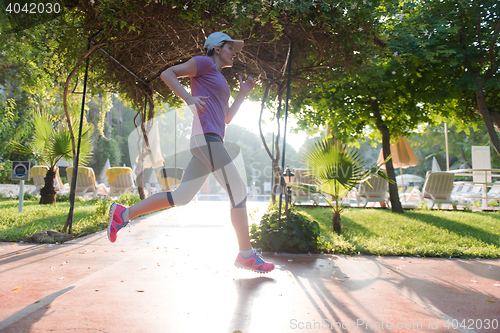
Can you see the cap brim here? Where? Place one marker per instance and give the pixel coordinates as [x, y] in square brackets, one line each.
[238, 44]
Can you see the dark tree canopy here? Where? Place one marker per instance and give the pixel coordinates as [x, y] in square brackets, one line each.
[146, 37]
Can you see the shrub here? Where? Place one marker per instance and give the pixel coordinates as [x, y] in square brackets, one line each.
[102, 206]
[101, 214]
[128, 199]
[493, 203]
[297, 235]
[26, 197]
[65, 198]
[476, 203]
[422, 205]
[5, 168]
[62, 197]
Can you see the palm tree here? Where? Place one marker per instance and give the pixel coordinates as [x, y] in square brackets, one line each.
[337, 169]
[50, 144]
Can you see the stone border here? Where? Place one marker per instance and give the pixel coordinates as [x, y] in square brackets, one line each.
[12, 190]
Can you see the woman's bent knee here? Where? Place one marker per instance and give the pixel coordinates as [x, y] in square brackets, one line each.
[181, 200]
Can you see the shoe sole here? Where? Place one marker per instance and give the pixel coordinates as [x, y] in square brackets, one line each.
[239, 265]
[110, 222]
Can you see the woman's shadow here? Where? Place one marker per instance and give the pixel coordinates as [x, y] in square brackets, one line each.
[248, 291]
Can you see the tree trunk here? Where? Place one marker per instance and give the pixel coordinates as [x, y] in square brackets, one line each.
[276, 175]
[386, 148]
[276, 170]
[140, 185]
[485, 114]
[495, 118]
[462, 153]
[275, 165]
[274, 191]
[143, 144]
[337, 227]
[140, 166]
[48, 191]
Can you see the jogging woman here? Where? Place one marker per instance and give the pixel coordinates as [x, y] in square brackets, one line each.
[209, 102]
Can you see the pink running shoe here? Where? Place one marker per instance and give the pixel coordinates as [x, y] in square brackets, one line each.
[115, 221]
[254, 263]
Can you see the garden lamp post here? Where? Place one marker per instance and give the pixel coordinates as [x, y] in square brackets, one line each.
[288, 173]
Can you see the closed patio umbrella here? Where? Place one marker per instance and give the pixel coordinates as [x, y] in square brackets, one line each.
[403, 155]
[155, 159]
[435, 165]
[103, 179]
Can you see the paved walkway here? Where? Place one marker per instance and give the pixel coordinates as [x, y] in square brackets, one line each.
[172, 272]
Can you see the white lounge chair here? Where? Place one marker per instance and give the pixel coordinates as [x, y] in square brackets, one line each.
[457, 189]
[411, 199]
[85, 183]
[120, 180]
[437, 188]
[467, 193]
[170, 178]
[299, 195]
[38, 173]
[494, 192]
[377, 192]
[350, 197]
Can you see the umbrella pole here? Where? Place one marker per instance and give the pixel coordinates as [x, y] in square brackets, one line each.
[403, 182]
[175, 146]
[446, 140]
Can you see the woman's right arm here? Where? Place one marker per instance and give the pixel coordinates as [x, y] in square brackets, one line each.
[186, 69]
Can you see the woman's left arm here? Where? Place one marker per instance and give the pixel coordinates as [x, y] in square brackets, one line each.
[245, 88]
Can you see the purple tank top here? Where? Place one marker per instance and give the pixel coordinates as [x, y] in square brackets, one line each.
[211, 83]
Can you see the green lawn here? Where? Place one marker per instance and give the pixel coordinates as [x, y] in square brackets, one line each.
[419, 232]
[89, 216]
[34, 218]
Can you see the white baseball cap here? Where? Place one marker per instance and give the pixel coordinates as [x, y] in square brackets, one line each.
[218, 37]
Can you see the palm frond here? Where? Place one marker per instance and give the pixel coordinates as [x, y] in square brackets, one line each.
[305, 187]
[27, 150]
[334, 162]
[334, 188]
[59, 146]
[86, 144]
[43, 131]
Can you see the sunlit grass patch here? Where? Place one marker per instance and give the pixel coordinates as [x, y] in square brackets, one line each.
[420, 232]
[14, 226]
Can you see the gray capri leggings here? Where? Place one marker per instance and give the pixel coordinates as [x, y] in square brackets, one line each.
[209, 156]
